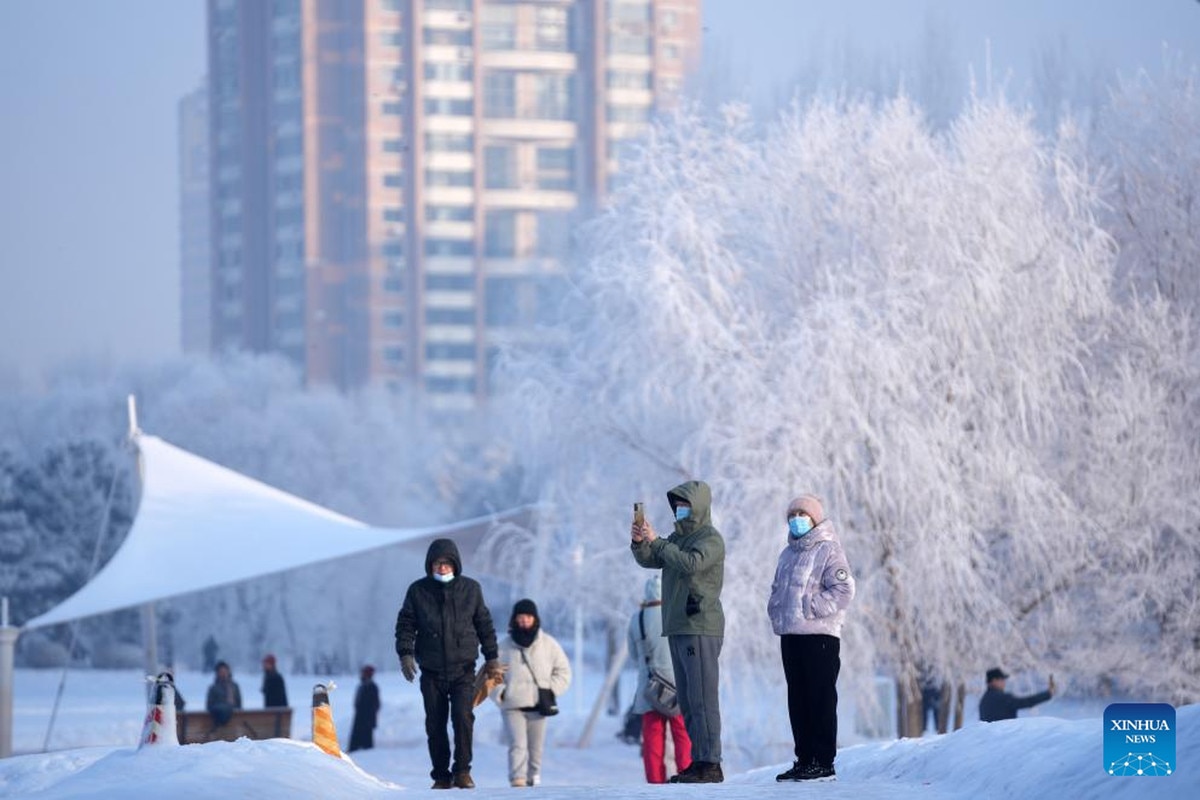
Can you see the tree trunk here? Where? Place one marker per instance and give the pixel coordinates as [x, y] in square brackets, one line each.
[910, 717]
[960, 697]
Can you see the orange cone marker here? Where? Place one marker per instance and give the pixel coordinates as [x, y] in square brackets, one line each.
[323, 732]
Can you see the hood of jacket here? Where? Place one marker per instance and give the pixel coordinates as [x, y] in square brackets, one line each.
[443, 548]
[699, 497]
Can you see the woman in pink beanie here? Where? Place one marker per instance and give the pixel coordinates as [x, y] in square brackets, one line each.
[810, 593]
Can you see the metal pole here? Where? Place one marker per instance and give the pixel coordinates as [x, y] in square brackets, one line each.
[150, 639]
[8, 643]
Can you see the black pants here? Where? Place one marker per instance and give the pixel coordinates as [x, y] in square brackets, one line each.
[811, 664]
[449, 697]
[362, 734]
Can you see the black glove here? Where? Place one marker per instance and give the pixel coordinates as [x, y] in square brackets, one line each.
[408, 666]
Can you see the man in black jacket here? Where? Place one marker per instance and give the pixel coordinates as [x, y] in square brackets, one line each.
[273, 689]
[997, 704]
[440, 628]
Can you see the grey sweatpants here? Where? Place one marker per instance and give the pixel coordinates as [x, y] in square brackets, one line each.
[697, 679]
[526, 740]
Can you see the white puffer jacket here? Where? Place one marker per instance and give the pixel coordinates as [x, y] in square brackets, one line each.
[544, 658]
[813, 585]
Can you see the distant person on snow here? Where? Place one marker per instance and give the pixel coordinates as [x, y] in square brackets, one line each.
[224, 696]
[273, 689]
[366, 711]
[997, 704]
[441, 627]
[809, 596]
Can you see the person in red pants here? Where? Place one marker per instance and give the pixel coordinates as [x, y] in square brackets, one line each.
[650, 651]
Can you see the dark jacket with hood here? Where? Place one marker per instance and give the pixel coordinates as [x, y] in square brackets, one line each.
[444, 625]
[692, 560]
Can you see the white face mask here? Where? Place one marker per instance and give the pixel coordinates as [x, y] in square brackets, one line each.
[449, 576]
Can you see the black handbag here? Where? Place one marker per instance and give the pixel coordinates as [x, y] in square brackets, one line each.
[547, 703]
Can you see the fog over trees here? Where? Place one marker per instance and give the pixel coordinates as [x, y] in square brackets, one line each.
[977, 342]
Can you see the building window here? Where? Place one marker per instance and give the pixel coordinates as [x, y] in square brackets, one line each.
[500, 234]
[500, 95]
[629, 44]
[449, 142]
[620, 79]
[553, 233]
[393, 249]
[449, 316]
[391, 38]
[450, 283]
[393, 108]
[393, 145]
[556, 168]
[637, 114]
[393, 319]
[444, 351]
[448, 5]
[393, 355]
[393, 214]
[630, 12]
[393, 180]
[446, 105]
[449, 247]
[671, 52]
[668, 20]
[498, 27]
[441, 177]
[393, 284]
[500, 167]
[447, 36]
[551, 33]
[554, 96]
[449, 213]
[439, 385]
[446, 71]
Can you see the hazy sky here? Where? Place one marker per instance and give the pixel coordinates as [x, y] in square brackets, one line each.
[89, 92]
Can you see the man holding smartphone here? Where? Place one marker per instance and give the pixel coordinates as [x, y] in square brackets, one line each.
[692, 560]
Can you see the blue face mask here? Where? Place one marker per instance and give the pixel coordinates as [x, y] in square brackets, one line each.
[798, 526]
[682, 513]
[449, 576]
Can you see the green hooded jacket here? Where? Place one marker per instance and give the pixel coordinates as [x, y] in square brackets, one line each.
[692, 560]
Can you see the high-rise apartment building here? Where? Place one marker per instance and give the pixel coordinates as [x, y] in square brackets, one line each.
[394, 182]
[195, 272]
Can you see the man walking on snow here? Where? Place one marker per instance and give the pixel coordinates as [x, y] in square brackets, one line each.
[441, 628]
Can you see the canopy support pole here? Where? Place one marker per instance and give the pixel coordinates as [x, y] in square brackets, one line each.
[8, 646]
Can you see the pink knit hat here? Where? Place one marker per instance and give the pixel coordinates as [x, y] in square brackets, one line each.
[810, 505]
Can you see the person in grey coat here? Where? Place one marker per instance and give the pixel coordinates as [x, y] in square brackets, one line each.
[649, 650]
[692, 560]
[812, 588]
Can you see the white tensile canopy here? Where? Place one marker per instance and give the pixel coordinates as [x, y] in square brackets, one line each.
[194, 514]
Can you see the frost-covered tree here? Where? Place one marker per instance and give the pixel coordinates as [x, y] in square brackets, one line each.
[918, 327]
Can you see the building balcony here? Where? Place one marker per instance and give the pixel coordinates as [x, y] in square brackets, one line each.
[533, 199]
[526, 129]
[451, 90]
[449, 334]
[447, 299]
[453, 162]
[449, 195]
[440, 229]
[548, 61]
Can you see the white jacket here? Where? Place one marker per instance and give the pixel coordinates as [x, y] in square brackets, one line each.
[544, 658]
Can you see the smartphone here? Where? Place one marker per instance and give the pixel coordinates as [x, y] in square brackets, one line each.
[639, 513]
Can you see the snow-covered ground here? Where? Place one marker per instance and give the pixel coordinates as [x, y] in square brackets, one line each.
[93, 753]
